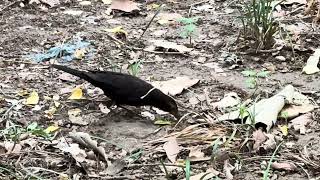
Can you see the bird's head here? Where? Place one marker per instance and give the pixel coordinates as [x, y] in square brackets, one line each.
[164, 102]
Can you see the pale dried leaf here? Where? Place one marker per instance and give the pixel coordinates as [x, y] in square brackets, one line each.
[259, 138]
[196, 153]
[12, 147]
[292, 111]
[76, 152]
[116, 167]
[271, 143]
[68, 77]
[229, 100]
[170, 46]
[175, 86]
[284, 166]
[300, 123]
[172, 149]
[124, 5]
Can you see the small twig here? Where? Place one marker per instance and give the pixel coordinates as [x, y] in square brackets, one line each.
[183, 117]
[148, 25]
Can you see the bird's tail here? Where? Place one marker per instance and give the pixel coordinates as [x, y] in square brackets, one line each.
[80, 74]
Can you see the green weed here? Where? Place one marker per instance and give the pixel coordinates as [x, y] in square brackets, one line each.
[253, 77]
[258, 23]
[189, 28]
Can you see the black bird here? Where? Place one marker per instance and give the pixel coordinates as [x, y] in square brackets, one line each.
[125, 89]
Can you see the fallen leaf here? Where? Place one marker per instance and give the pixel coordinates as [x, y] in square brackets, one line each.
[168, 46]
[196, 153]
[12, 147]
[292, 111]
[51, 129]
[67, 77]
[76, 152]
[283, 129]
[229, 100]
[124, 5]
[172, 149]
[300, 123]
[75, 118]
[284, 166]
[271, 143]
[312, 63]
[33, 98]
[117, 30]
[116, 167]
[209, 174]
[76, 94]
[175, 86]
[259, 138]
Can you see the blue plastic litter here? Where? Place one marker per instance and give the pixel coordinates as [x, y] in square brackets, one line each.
[65, 52]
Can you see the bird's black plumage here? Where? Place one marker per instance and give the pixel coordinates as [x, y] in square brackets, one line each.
[124, 89]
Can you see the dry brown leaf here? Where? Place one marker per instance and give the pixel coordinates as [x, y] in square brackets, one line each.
[124, 5]
[168, 46]
[67, 77]
[292, 111]
[259, 138]
[196, 153]
[76, 152]
[271, 143]
[12, 147]
[116, 167]
[300, 123]
[172, 149]
[175, 86]
[284, 166]
[229, 100]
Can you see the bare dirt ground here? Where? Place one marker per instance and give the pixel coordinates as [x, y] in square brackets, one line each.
[134, 143]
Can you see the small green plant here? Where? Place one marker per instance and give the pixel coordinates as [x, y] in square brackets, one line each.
[134, 68]
[189, 28]
[253, 77]
[258, 23]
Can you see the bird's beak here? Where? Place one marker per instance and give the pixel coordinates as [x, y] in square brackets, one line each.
[175, 114]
